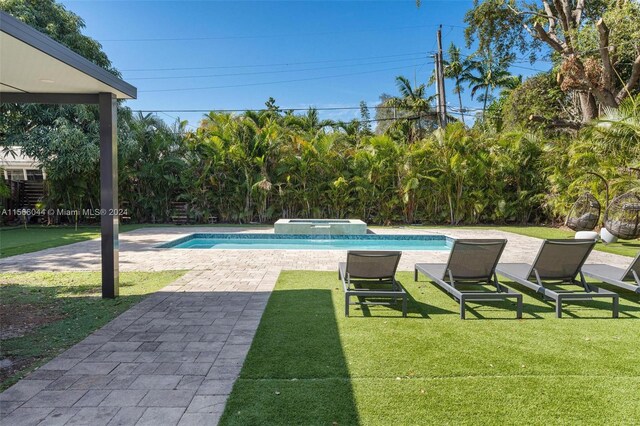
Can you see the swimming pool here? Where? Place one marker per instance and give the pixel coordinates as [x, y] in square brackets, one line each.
[311, 242]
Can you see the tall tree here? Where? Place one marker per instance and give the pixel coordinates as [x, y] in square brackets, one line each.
[538, 103]
[412, 111]
[310, 122]
[62, 137]
[384, 114]
[365, 118]
[151, 161]
[487, 75]
[594, 41]
[60, 24]
[457, 69]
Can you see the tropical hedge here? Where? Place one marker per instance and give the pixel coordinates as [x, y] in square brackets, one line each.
[261, 166]
[264, 165]
[525, 158]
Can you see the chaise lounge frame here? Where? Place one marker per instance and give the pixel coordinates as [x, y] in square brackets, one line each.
[379, 273]
[459, 269]
[548, 268]
[628, 279]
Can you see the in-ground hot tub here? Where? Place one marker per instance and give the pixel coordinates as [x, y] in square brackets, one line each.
[321, 227]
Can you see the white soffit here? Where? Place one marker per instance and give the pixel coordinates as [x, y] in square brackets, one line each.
[28, 69]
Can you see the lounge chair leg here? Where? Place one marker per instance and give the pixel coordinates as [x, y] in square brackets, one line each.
[415, 274]
[462, 309]
[559, 308]
[404, 307]
[346, 305]
[519, 308]
[615, 306]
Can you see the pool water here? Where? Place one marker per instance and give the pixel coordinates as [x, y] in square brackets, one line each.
[311, 242]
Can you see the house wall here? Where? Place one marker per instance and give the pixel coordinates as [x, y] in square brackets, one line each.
[17, 166]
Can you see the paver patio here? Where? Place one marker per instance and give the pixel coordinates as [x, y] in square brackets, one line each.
[173, 358]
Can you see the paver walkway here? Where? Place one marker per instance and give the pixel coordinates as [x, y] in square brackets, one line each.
[173, 358]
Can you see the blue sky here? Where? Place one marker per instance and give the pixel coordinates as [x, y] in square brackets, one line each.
[202, 55]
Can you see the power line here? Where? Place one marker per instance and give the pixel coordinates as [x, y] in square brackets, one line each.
[270, 72]
[527, 68]
[466, 109]
[448, 33]
[277, 82]
[282, 64]
[177, 119]
[281, 109]
[286, 64]
[514, 66]
[372, 120]
[263, 36]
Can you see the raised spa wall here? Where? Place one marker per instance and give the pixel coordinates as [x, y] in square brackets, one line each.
[320, 227]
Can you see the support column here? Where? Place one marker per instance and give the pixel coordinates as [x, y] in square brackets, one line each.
[109, 221]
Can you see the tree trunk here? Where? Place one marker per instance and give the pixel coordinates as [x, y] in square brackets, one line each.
[247, 200]
[484, 107]
[557, 123]
[451, 213]
[461, 109]
[588, 107]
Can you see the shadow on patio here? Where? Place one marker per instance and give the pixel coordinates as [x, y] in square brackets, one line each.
[287, 375]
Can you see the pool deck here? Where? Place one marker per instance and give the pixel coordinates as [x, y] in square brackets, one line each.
[173, 358]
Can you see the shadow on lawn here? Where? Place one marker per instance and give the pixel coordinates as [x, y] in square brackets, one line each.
[295, 371]
[417, 308]
[539, 309]
[629, 304]
[500, 307]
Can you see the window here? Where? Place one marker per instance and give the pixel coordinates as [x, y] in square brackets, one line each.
[34, 175]
[15, 174]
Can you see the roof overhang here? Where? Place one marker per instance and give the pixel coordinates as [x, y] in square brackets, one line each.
[36, 69]
[33, 63]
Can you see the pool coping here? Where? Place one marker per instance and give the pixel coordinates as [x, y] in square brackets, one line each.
[268, 236]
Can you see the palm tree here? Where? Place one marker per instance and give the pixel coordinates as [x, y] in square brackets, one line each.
[617, 133]
[610, 145]
[487, 75]
[152, 162]
[414, 107]
[310, 122]
[457, 69]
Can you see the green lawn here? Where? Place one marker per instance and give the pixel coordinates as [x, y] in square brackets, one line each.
[18, 240]
[624, 248]
[310, 365]
[43, 313]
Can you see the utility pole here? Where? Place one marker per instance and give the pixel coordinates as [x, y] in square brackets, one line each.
[442, 100]
[437, 74]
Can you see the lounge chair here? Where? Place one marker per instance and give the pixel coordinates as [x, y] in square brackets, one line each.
[471, 262]
[628, 279]
[371, 274]
[558, 261]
